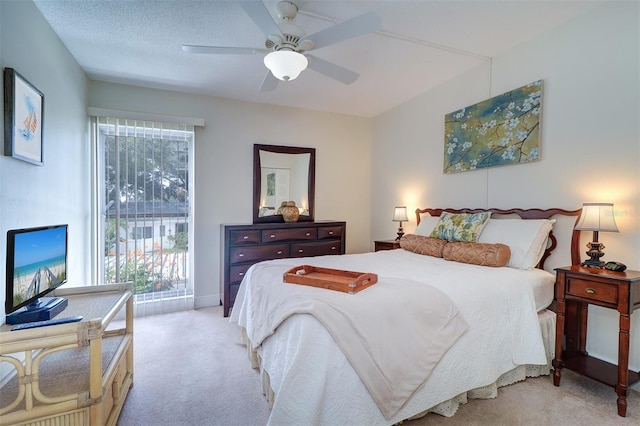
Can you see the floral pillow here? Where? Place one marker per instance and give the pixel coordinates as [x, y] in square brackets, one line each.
[460, 226]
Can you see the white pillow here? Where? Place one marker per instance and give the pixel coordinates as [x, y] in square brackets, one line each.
[426, 225]
[527, 239]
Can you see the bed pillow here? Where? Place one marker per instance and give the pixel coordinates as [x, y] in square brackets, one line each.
[460, 226]
[496, 255]
[426, 225]
[423, 245]
[527, 239]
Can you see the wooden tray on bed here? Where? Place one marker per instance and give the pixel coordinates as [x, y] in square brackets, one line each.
[332, 279]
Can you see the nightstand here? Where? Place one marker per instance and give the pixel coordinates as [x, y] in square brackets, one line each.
[576, 288]
[386, 245]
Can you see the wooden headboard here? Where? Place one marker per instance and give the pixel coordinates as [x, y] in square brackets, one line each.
[525, 214]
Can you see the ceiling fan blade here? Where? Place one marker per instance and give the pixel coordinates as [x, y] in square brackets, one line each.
[354, 27]
[258, 12]
[220, 50]
[332, 70]
[269, 83]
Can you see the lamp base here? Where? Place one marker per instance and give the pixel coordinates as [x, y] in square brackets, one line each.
[595, 253]
[400, 234]
[593, 263]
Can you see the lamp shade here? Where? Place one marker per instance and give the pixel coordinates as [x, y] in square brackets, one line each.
[597, 217]
[400, 214]
[285, 65]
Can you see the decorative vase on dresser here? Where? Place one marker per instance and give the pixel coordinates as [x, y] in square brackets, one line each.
[245, 245]
[290, 212]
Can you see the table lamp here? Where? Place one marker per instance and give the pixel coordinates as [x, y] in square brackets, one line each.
[400, 215]
[596, 217]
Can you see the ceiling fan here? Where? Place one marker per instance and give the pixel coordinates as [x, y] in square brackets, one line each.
[287, 44]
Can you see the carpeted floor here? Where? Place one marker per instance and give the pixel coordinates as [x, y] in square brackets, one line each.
[191, 369]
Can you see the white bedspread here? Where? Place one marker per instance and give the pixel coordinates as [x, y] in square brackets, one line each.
[391, 359]
[314, 382]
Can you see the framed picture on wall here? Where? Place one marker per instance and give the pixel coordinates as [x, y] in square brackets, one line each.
[499, 131]
[23, 118]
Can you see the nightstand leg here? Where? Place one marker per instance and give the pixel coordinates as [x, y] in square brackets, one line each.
[623, 363]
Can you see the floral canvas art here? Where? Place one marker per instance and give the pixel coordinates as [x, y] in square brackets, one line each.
[499, 131]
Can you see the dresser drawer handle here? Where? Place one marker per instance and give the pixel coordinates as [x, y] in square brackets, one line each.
[272, 236]
[330, 232]
[246, 237]
[241, 274]
[279, 252]
[333, 248]
[591, 290]
[300, 251]
[308, 233]
[241, 255]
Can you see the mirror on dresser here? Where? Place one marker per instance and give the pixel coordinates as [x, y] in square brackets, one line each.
[281, 174]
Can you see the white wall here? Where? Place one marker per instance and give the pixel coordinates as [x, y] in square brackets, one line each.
[224, 164]
[59, 191]
[590, 147]
[590, 142]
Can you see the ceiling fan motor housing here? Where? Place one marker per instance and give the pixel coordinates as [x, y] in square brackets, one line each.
[286, 42]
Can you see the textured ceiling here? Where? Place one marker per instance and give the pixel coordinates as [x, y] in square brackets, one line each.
[421, 45]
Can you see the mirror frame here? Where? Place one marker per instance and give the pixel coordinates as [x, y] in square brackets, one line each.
[257, 183]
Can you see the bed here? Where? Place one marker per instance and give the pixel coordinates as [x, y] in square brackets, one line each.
[434, 331]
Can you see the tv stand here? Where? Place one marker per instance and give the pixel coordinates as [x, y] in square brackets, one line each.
[71, 374]
[42, 309]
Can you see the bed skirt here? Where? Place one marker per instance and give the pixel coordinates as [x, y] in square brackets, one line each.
[547, 320]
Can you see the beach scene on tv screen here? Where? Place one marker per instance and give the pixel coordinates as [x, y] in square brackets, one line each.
[39, 262]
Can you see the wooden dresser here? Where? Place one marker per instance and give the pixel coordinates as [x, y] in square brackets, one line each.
[244, 245]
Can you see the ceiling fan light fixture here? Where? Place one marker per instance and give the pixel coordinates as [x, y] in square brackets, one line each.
[286, 65]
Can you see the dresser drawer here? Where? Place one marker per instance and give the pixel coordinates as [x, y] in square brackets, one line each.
[325, 232]
[244, 237]
[289, 234]
[315, 249]
[257, 253]
[595, 291]
[237, 272]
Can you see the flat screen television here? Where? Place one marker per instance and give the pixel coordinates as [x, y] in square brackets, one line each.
[36, 265]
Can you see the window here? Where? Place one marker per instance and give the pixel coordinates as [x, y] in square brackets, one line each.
[181, 227]
[143, 190]
[141, 232]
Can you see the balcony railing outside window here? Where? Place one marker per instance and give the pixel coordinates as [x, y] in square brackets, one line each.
[144, 187]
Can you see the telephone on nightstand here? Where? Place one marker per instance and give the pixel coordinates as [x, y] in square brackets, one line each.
[615, 266]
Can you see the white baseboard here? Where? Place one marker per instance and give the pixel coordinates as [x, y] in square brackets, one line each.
[207, 301]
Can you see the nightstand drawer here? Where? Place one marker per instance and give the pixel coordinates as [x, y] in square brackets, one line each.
[386, 245]
[596, 291]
